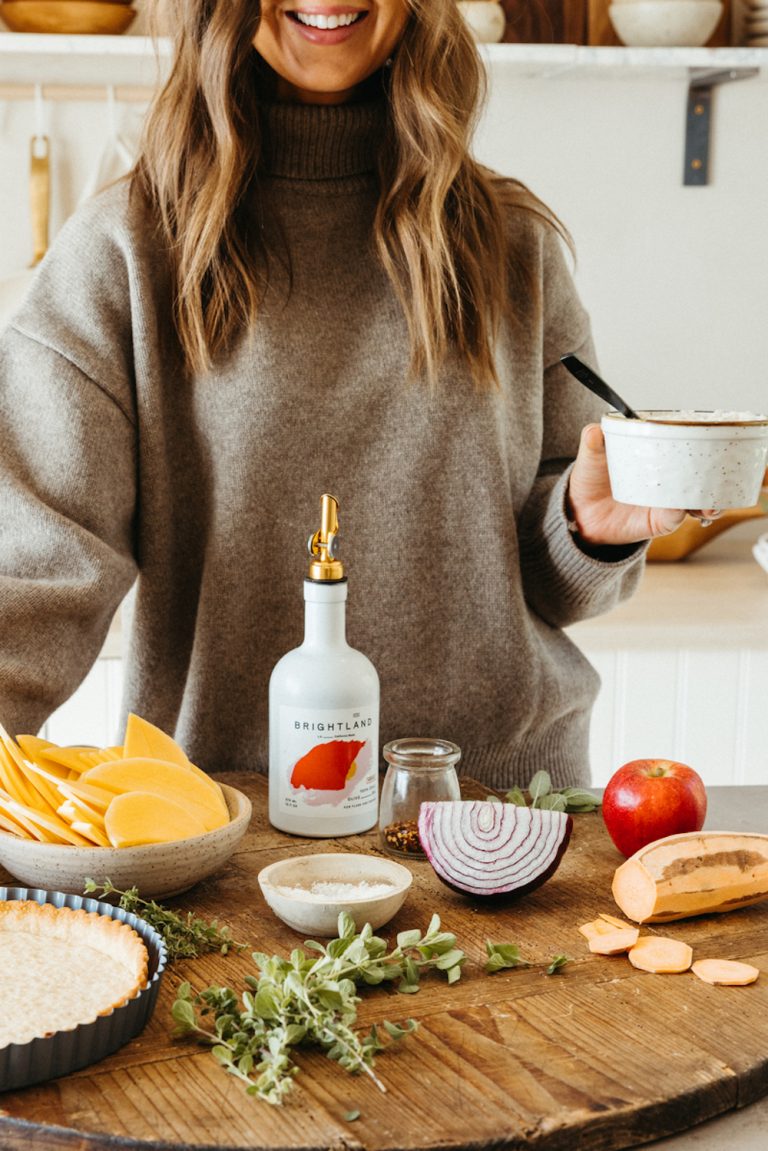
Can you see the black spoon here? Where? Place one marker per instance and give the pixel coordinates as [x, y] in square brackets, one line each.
[591, 380]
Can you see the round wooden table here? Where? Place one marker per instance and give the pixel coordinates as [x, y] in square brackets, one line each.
[597, 1056]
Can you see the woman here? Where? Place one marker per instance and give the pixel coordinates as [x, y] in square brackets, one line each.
[309, 285]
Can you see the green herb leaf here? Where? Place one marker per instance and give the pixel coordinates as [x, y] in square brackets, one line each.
[502, 956]
[311, 998]
[540, 785]
[552, 802]
[350, 1116]
[557, 962]
[516, 796]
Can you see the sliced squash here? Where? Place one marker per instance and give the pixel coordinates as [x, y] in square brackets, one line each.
[695, 873]
[661, 956]
[603, 925]
[728, 972]
[170, 780]
[12, 779]
[53, 828]
[91, 832]
[145, 741]
[139, 817]
[74, 808]
[615, 942]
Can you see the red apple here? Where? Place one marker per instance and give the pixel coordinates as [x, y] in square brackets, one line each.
[650, 798]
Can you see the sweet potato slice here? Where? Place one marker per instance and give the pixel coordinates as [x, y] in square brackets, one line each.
[726, 971]
[661, 956]
[614, 942]
[604, 925]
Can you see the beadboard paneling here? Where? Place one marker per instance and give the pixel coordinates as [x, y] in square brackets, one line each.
[708, 708]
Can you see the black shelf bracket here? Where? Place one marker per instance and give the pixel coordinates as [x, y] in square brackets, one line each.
[698, 119]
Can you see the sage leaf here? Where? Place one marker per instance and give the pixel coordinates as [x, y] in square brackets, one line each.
[552, 802]
[516, 796]
[540, 785]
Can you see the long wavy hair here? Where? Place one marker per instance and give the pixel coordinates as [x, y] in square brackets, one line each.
[441, 226]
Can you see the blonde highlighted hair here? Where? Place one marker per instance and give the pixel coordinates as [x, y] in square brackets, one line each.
[440, 226]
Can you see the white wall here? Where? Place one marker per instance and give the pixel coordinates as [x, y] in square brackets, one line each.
[676, 278]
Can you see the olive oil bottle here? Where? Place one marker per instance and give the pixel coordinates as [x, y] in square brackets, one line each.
[324, 710]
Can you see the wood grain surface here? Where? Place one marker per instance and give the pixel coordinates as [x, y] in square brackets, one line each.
[598, 1056]
[546, 21]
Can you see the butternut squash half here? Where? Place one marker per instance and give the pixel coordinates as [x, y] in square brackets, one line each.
[695, 873]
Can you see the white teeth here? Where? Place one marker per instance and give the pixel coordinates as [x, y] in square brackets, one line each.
[330, 22]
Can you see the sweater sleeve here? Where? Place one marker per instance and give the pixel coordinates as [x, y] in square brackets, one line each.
[562, 582]
[67, 476]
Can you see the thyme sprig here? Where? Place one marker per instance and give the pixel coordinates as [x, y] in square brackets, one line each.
[542, 794]
[310, 999]
[186, 935]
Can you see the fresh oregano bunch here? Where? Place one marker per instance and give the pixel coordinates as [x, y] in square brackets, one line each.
[311, 998]
[186, 936]
[573, 800]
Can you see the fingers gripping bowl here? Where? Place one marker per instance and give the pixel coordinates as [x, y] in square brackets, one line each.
[686, 459]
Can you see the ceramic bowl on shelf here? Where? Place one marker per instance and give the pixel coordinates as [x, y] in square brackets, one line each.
[686, 459]
[158, 870]
[309, 892]
[665, 23]
[68, 17]
[486, 18]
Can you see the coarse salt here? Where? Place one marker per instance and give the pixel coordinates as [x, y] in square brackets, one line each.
[323, 890]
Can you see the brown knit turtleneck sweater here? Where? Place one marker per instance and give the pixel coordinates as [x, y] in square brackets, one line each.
[113, 468]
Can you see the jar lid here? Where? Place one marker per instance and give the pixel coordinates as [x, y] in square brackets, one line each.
[422, 752]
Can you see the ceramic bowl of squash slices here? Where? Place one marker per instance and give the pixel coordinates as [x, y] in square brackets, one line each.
[140, 814]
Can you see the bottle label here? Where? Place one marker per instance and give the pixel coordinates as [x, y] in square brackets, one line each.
[328, 761]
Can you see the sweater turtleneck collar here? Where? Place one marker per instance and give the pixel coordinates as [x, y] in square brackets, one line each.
[321, 141]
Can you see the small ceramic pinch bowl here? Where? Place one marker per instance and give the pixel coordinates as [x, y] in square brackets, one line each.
[158, 870]
[686, 459]
[308, 892]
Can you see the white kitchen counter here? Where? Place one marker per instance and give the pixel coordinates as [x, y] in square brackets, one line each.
[717, 595]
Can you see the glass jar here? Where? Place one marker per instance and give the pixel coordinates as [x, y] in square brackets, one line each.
[419, 770]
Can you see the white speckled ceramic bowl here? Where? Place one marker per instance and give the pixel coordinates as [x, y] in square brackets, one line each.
[486, 19]
[287, 888]
[157, 869]
[690, 460]
[665, 23]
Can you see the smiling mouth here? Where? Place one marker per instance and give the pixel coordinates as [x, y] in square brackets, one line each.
[329, 23]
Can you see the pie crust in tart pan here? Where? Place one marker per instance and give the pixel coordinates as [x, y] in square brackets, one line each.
[93, 967]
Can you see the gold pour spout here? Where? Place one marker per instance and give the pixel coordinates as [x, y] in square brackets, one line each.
[324, 565]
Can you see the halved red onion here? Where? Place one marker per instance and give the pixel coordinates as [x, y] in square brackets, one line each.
[493, 849]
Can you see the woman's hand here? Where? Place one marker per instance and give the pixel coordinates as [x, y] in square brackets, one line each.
[599, 518]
